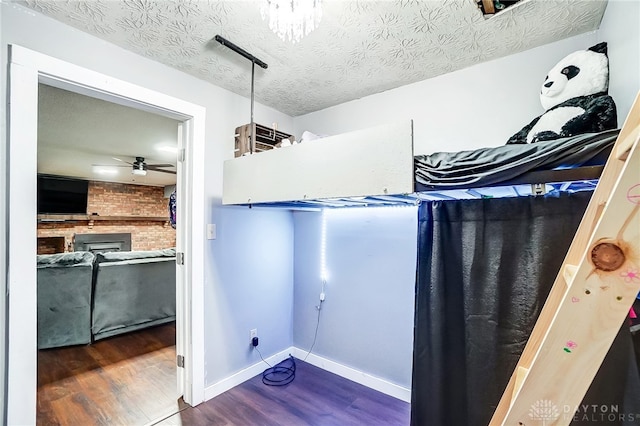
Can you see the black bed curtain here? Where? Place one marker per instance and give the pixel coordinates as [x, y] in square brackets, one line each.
[485, 268]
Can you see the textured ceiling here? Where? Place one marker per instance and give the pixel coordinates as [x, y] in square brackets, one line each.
[360, 47]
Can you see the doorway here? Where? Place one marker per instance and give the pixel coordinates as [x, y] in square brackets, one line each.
[27, 70]
[102, 328]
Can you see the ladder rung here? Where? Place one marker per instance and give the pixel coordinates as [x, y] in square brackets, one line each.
[521, 373]
[622, 150]
[568, 273]
[596, 217]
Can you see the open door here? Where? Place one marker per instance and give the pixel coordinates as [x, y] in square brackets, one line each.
[180, 268]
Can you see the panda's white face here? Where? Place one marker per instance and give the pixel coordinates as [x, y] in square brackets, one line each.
[581, 73]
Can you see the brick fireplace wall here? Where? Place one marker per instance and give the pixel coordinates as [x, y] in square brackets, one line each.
[119, 199]
[115, 199]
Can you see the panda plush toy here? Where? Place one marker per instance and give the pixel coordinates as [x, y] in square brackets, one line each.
[574, 95]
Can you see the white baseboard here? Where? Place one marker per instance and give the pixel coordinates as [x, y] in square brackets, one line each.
[244, 375]
[357, 376]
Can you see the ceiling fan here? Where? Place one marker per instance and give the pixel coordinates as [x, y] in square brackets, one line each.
[140, 167]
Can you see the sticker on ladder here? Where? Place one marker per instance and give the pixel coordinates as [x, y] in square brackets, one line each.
[633, 194]
[570, 345]
[632, 275]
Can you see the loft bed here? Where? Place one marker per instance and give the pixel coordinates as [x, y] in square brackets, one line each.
[597, 281]
[377, 167]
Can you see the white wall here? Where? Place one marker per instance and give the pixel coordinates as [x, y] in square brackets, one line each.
[225, 111]
[621, 30]
[483, 105]
[479, 106]
[367, 317]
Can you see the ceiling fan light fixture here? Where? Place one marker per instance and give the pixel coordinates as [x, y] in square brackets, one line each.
[292, 19]
[104, 170]
[139, 167]
[172, 149]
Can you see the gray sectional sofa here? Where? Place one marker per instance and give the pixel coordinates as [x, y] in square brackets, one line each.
[84, 297]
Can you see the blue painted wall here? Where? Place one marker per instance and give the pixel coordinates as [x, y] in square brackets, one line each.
[367, 318]
[251, 287]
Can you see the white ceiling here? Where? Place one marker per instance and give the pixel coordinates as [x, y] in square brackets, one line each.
[361, 47]
[76, 132]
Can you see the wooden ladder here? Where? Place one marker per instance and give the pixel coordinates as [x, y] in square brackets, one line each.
[589, 301]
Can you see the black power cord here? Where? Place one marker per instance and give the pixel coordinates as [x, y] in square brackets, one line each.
[280, 374]
[255, 346]
[284, 372]
[315, 336]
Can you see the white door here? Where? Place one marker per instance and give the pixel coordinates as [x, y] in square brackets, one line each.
[180, 249]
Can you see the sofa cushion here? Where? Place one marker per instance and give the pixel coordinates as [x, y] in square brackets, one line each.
[118, 256]
[133, 290]
[76, 258]
[64, 299]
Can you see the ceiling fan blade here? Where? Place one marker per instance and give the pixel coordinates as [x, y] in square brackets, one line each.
[160, 165]
[162, 171]
[111, 165]
[122, 161]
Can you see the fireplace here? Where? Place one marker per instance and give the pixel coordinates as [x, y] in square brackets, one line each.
[50, 245]
[102, 242]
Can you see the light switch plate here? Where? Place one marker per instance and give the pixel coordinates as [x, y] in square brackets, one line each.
[211, 231]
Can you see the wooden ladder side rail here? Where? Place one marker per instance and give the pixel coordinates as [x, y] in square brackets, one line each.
[600, 294]
[577, 253]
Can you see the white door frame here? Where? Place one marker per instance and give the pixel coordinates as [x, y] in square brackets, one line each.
[27, 69]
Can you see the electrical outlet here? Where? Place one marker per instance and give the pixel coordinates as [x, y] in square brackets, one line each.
[253, 333]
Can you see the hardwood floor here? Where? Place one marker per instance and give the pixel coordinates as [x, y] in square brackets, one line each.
[131, 380]
[124, 380]
[316, 397]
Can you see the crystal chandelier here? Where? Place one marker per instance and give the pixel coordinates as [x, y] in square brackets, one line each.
[292, 19]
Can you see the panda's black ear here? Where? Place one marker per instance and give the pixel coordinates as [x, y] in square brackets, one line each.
[599, 48]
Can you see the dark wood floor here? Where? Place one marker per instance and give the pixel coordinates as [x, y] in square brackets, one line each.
[316, 397]
[131, 380]
[124, 380]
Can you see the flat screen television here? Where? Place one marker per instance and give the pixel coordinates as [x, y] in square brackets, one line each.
[61, 195]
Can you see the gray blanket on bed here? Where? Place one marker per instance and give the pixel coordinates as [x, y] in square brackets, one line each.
[489, 166]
